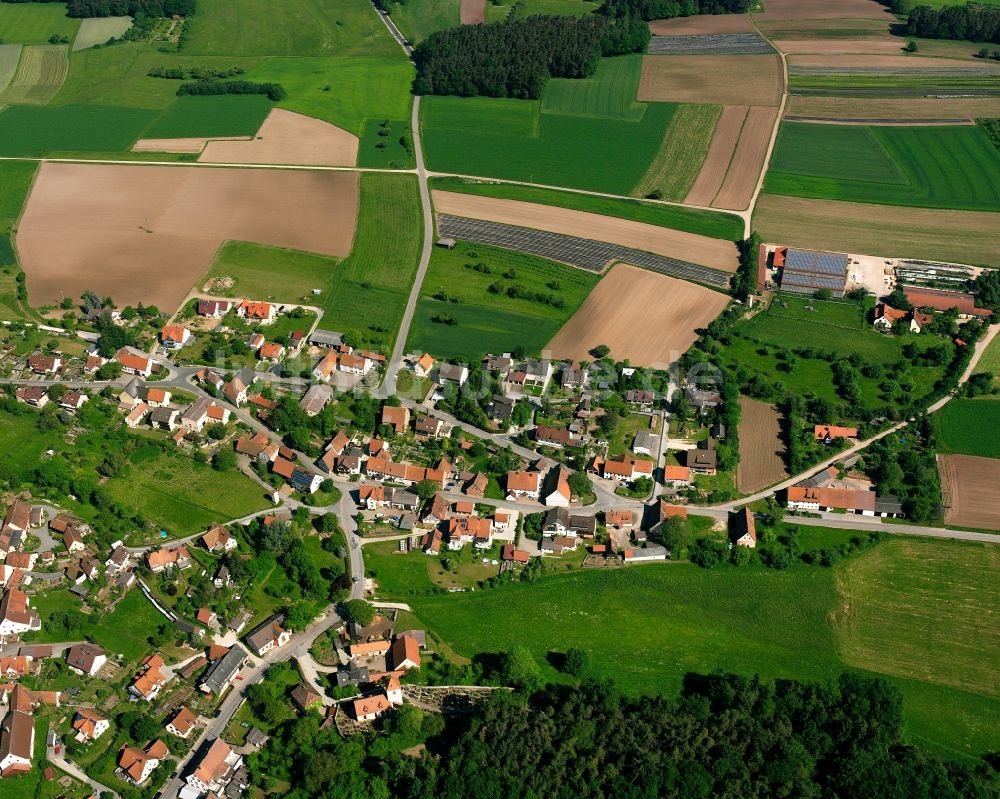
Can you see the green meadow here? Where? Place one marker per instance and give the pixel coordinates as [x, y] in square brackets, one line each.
[15, 182]
[226, 115]
[590, 136]
[418, 19]
[34, 23]
[39, 131]
[714, 224]
[648, 626]
[252, 268]
[937, 167]
[457, 288]
[368, 296]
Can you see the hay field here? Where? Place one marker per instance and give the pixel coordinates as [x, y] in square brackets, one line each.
[716, 79]
[714, 253]
[971, 237]
[720, 155]
[959, 426]
[288, 138]
[748, 160]
[10, 55]
[823, 9]
[472, 12]
[849, 108]
[40, 74]
[969, 490]
[34, 23]
[923, 610]
[702, 24]
[86, 226]
[685, 146]
[649, 319]
[761, 446]
[97, 30]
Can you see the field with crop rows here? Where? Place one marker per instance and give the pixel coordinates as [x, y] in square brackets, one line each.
[936, 167]
[960, 425]
[680, 159]
[39, 76]
[607, 94]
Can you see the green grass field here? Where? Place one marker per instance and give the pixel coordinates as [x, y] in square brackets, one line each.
[492, 322]
[359, 88]
[15, 182]
[253, 267]
[291, 28]
[10, 54]
[226, 115]
[960, 427]
[34, 23]
[607, 94]
[418, 19]
[990, 362]
[685, 145]
[937, 167]
[714, 224]
[126, 628]
[33, 131]
[182, 496]
[567, 8]
[465, 135]
[748, 621]
[372, 284]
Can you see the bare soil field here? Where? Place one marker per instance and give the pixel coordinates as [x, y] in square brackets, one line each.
[811, 28]
[288, 138]
[823, 9]
[192, 145]
[899, 108]
[146, 234]
[761, 447]
[872, 45]
[689, 247]
[969, 490]
[748, 160]
[701, 24]
[472, 12]
[720, 154]
[971, 237]
[649, 319]
[716, 79]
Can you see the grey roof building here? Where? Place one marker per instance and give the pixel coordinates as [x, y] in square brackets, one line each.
[222, 673]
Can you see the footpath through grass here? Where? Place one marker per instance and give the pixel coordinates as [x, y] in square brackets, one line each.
[714, 224]
[472, 320]
[371, 286]
[969, 427]
[935, 167]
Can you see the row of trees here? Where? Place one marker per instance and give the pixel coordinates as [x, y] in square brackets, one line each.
[274, 91]
[667, 9]
[972, 22]
[515, 58]
[121, 8]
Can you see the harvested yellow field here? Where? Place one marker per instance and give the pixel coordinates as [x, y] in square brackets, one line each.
[716, 79]
[689, 247]
[40, 74]
[648, 318]
[971, 237]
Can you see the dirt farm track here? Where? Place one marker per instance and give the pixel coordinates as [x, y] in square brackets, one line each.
[969, 490]
[648, 318]
[147, 233]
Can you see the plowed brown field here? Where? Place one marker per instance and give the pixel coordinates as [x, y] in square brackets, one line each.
[689, 247]
[720, 155]
[871, 45]
[145, 234]
[717, 79]
[648, 318]
[288, 138]
[748, 160]
[824, 9]
[761, 448]
[969, 488]
[472, 12]
[702, 24]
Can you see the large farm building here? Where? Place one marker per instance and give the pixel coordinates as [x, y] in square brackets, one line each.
[808, 271]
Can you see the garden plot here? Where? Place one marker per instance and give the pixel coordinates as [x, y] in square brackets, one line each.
[646, 318]
[147, 233]
[710, 44]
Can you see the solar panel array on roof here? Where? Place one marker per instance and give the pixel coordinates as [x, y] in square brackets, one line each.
[826, 263]
[812, 281]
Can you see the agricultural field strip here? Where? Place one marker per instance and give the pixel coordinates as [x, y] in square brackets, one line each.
[10, 54]
[880, 120]
[40, 74]
[709, 44]
[579, 252]
[894, 71]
